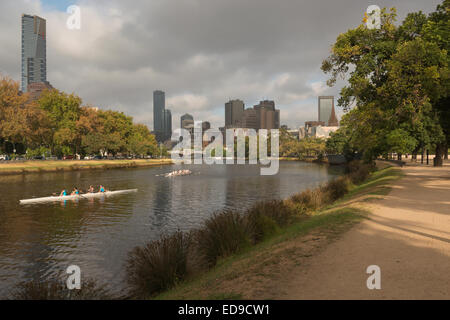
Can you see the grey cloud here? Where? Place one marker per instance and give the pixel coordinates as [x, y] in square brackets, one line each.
[201, 52]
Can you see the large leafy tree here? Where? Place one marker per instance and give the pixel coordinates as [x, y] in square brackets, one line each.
[63, 111]
[398, 79]
[141, 141]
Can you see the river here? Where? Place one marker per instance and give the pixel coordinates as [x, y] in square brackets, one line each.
[40, 241]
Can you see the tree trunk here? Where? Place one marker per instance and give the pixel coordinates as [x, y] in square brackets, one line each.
[437, 161]
[446, 151]
[428, 159]
[399, 157]
[421, 157]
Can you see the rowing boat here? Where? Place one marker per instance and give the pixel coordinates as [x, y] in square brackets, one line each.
[75, 197]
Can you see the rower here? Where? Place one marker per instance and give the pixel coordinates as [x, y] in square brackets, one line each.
[75, 192]
[63, 193]
[91, 189]
[102, 189]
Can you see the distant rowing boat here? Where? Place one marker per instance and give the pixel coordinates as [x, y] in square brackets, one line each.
[81, 196]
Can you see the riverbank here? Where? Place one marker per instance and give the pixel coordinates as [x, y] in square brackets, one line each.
[263, 271]
[39, 166]
[407, 234]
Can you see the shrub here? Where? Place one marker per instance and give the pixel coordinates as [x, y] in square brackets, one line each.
[260, 220]
[335, 189]
[159, 265]
[277, 210]
[222, 235]
[308, 200]
[358, 172]
[52, 290]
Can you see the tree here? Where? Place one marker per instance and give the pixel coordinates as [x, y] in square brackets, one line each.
[397, 79]
[141, 141]
[63, 111]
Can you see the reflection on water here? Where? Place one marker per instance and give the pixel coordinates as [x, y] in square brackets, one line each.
[40, 241]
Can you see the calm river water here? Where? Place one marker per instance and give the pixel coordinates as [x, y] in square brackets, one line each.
[41, 241]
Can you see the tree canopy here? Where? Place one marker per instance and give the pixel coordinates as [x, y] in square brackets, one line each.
[396, 98]
[59, 123]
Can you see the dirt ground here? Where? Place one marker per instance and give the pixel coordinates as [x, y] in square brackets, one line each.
[407, 235]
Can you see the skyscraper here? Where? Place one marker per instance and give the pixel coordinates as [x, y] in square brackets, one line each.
[167, 124]
[267, 117]
[159, 104]
[234, 110]
[326, 106]
[34, 56]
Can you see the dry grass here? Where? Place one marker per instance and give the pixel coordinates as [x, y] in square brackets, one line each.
[159, 265]
[12, 167]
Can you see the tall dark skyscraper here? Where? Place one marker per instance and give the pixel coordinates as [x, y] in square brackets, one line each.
[159, 104]
[167, 124]
[162, 118]
[34, 56]
[234, 110]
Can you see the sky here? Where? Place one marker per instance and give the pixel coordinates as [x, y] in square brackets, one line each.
[202, 53]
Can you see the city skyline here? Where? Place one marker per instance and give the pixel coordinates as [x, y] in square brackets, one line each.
[200, 74]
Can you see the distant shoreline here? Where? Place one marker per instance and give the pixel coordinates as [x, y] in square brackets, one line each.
[43, 166]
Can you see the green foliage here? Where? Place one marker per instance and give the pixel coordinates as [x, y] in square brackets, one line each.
[398, 84]
[307, 147]
[399, 141]
[40, 151]
[59, 122]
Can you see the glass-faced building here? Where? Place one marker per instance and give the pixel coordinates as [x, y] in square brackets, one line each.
[159, 104]
[34, 56]
[326, 106]
[167, 124]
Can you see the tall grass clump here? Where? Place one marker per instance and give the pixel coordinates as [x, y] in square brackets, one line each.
[308, 200]
[335, 189]
[53, 290]
[265, 218]
[358, 172]
[222, 235]
[159, 265]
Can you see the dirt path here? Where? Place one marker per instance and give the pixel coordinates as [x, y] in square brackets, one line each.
[407, 236]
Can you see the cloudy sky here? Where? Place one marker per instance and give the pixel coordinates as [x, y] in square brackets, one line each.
[200, 52]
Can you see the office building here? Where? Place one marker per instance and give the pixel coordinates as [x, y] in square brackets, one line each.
[162, 117]
[326, 111]
[186, 119]
[167, 124]
[234, 110]
[35, 89]
[261, 116]
[34, 56]
[159, 103]
[267, 116]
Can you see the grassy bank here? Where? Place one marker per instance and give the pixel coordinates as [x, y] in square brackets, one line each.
[37, 166]
[259, 271]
